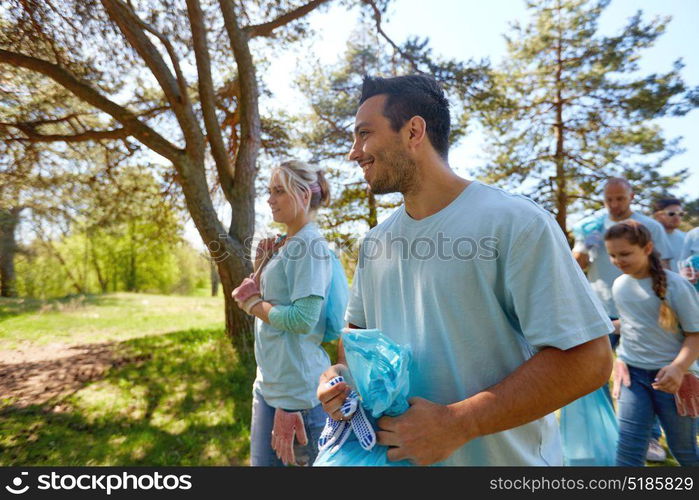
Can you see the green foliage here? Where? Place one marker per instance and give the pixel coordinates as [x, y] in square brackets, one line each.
[126, 236]
[333, 93]
[567, 109]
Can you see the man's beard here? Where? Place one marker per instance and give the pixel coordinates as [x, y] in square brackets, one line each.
[397, 173]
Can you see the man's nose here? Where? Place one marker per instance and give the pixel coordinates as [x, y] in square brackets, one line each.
[354, 153]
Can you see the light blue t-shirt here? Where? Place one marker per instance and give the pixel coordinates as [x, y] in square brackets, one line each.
[691, 244]
[477, 289]
[290, 364]
[676, 241]
[644, 343]
[602, 273]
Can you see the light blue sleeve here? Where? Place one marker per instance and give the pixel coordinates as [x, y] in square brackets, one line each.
[355, 308]
[684, 300]
[551, 299]
[660, 240]
[307, 267]
[691, 244]
[298, 317]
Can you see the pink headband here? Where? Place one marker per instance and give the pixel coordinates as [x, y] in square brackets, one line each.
[315, 188]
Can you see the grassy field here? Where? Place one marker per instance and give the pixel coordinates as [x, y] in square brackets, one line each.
[175, 393]
[100, 318]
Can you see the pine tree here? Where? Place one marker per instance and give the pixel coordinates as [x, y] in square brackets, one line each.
[568, 109]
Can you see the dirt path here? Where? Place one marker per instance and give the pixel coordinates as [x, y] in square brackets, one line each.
[35, 374]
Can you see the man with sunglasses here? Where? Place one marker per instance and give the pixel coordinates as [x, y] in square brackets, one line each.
[668, 211]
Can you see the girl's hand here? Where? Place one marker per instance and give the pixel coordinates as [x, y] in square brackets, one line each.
[621, 376]
[668, 379]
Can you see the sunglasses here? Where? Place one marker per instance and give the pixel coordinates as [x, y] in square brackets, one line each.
[672, 214]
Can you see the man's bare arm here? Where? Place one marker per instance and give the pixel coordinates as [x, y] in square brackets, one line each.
[429, 433]
[582, 258]
[549, 380]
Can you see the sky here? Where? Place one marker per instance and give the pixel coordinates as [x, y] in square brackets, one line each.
[467, 29]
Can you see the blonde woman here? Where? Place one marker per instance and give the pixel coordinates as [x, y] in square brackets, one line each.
[289, 305]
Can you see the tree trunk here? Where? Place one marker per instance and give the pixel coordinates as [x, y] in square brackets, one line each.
[103, 280]
[559, 156]
[228, 251]
[9, 219]
[239, 326]
[215, 281]
[373, 217]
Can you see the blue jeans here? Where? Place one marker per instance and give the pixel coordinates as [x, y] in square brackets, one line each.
[638, 406]
[261, 452]
[614, 341]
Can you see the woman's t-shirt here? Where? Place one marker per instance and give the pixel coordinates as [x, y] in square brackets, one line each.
[644, 343]
[290, 364]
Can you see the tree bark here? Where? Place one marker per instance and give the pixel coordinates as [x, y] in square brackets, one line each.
[9, 219]
[215, 280]
[373, 215]
[559, 156]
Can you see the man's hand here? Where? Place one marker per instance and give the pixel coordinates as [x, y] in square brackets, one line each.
[425, 434]
[668, 379]
[621, 376]
[287, 426]
[583, 259]
[332, 398]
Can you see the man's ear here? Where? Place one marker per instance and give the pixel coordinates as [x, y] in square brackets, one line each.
[417, 130]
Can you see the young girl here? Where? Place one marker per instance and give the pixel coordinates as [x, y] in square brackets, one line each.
[655, 353]
[289, 306]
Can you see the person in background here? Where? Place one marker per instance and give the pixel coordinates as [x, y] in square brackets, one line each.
[655, 353]
[618, 196]
[289, 303]
[668, 211]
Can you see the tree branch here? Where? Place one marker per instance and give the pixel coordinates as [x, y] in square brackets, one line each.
[266, 29]
[89, 135]
[377, 20]
[208, 98]
[87, 93]
[130, 25]
[250, 128]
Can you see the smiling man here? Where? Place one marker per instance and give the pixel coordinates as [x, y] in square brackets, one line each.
[501, 338]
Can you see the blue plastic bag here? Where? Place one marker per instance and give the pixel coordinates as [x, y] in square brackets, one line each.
[692, 263]
[590, 230]
[379, 372]
[336, 303]
[589, 430]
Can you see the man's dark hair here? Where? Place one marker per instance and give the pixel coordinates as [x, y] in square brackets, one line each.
[663, 203]
[413, 95]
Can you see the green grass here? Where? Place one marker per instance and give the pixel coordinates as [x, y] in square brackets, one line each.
[99, 318]
[181, 396]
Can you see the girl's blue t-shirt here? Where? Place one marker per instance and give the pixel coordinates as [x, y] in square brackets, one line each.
[290, 364]
[644, 343]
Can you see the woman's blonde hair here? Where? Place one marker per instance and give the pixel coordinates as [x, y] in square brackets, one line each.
[298, 178]
[637, 234]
